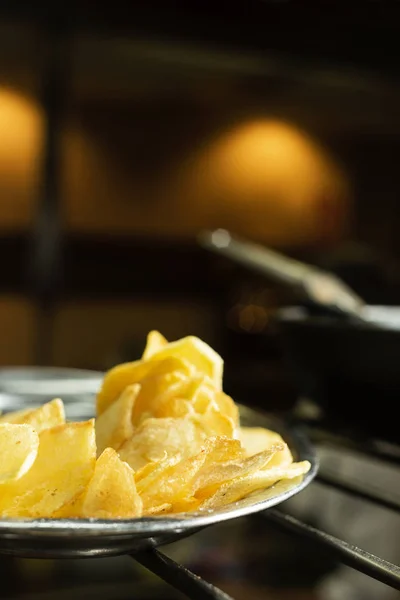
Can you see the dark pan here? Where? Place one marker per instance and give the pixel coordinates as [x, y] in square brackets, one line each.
[350, 368]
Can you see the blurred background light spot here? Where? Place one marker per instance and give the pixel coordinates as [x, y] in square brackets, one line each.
[20, 144]
[268, 180]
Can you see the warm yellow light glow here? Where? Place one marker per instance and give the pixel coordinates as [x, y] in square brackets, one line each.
[263, 178]
[273, 161]
[20, 147]
[269, 180]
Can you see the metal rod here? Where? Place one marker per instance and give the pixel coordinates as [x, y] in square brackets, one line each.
[350, 555]
[178, 576]
[334, 482]
[389, 453]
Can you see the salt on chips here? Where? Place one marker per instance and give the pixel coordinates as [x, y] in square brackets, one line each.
[62, 469]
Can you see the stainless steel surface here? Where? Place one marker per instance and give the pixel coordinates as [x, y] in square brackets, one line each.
[49, 381]
[318, 287]
[59, 538]
[22, 387]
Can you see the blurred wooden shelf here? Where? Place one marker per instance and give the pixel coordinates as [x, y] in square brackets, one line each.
[118, 267]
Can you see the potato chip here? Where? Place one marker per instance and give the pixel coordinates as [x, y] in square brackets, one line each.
[62, 469]
[227, 407]
[170, 364]
[177, 394]
[206, 399]
[118, 378]
[174, 481]
[168, 379]
[48, 415]
[16, 416]
[223, 449]
[157, 510]
[72, 508]
[18, 450]
[212, 451]
[155, 342]
[257, 439]
[205, 360]
[210, 478]
[114, 426]
[176, 408]
[212, 423]
[156, 439]
[238, 488]
[186, 505]
[111, 493]
[154, 470]
[202, 397]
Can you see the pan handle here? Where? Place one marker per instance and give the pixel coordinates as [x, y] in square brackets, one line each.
[258, 258]
[319, 289]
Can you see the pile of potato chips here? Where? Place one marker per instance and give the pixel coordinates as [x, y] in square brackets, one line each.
[166, 440]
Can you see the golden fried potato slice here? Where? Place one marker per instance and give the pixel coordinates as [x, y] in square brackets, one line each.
[16, 416]
[153, 468]
[44, 417]
[111, 493]
[61, 471]
[200, 393]
[177, 393]
[205, 360]
[185, 505]
[204, 395]
[114, 426]
[170, 364]
[156, 439]
[257, 439]
[155, 342]
[213, 423]
[238, 488]
[172, 480]
[167, 380]
[161, 509]
[18, 450]
[169, 395]
[118, 378]
[227, 407]
[72, 508]
[209, 479]
[222, 450]
[176, 408]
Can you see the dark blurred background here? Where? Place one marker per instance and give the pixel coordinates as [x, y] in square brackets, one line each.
[126, 129]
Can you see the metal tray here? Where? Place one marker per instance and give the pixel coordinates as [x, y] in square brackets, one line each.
[66, 538]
